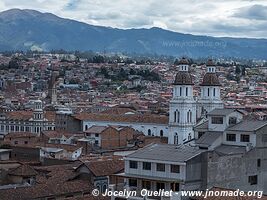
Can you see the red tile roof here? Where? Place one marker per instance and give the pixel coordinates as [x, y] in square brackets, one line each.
[105, 167]
[134, 118]
[23, 170]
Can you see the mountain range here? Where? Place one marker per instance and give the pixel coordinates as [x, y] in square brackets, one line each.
[33, 30]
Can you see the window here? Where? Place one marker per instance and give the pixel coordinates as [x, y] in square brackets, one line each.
[244, 138]
[146, 185]
[133, 164]
[96, 142]
[178, 116]
[175, 187]
[231, 137]
[208, 92]
[180, 91]
[96, 135]
[186, 91]
[160, 167]
[133, 182]
[146, 166]
[175, 116]
[264, 138]
[189, 116]
[253, 180]
[104, 187]
[217, 120]
[200, 134]
[25, 142]
[161, 133]
[258, 162]
[175, 169]
[214, 92]
[160, 186]
[232, 120]
[149, 132]
[176, 138]
[16, 142]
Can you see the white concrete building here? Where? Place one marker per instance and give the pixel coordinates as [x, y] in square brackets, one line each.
[149, 168]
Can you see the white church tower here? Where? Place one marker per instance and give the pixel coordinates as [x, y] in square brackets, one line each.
[182, 112]
[210, 97]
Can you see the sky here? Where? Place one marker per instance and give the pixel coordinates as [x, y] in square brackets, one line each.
[234, 18]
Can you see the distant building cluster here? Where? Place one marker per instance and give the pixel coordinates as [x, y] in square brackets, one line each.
[68, 126]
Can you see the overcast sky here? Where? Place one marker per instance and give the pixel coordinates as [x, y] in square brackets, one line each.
[237, 18]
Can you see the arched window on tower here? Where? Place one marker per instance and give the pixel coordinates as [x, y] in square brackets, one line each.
[186, 91]
[174, 116]
[189, 116]
[176, 138]
[208, 92]
[161, 133]
[178, 116]
[149, 132]
[180, 91]
[86, 127]
[214, 92]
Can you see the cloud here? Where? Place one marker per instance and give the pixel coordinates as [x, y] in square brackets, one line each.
[72, 4]
[239, 18]
[257, 12]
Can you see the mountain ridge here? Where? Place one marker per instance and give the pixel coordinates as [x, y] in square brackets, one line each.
[30, 29]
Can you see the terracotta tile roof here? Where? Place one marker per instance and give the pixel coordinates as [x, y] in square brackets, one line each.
[19, 115]
[23, 170]
[105, 167]
[57, 134]
[134, 118]
[20, 135]
[27, 115]
[48, 189]
[118, 111]
[96, 129]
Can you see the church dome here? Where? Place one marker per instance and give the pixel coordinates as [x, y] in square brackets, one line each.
[183, 61]
[210, 63]
[183, 78]
[210, 79]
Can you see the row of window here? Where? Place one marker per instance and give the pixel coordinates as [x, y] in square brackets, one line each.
[214, 92]
[219, 120]
[232, 137]
[160, 166]
[22, 128]
[177, 116]
[159, 185]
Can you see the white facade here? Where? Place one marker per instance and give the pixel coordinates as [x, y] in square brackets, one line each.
[146, 128]
[182, 112]
[185, 109]
[210, 97]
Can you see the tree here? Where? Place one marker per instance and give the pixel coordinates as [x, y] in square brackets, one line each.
[237, 70]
